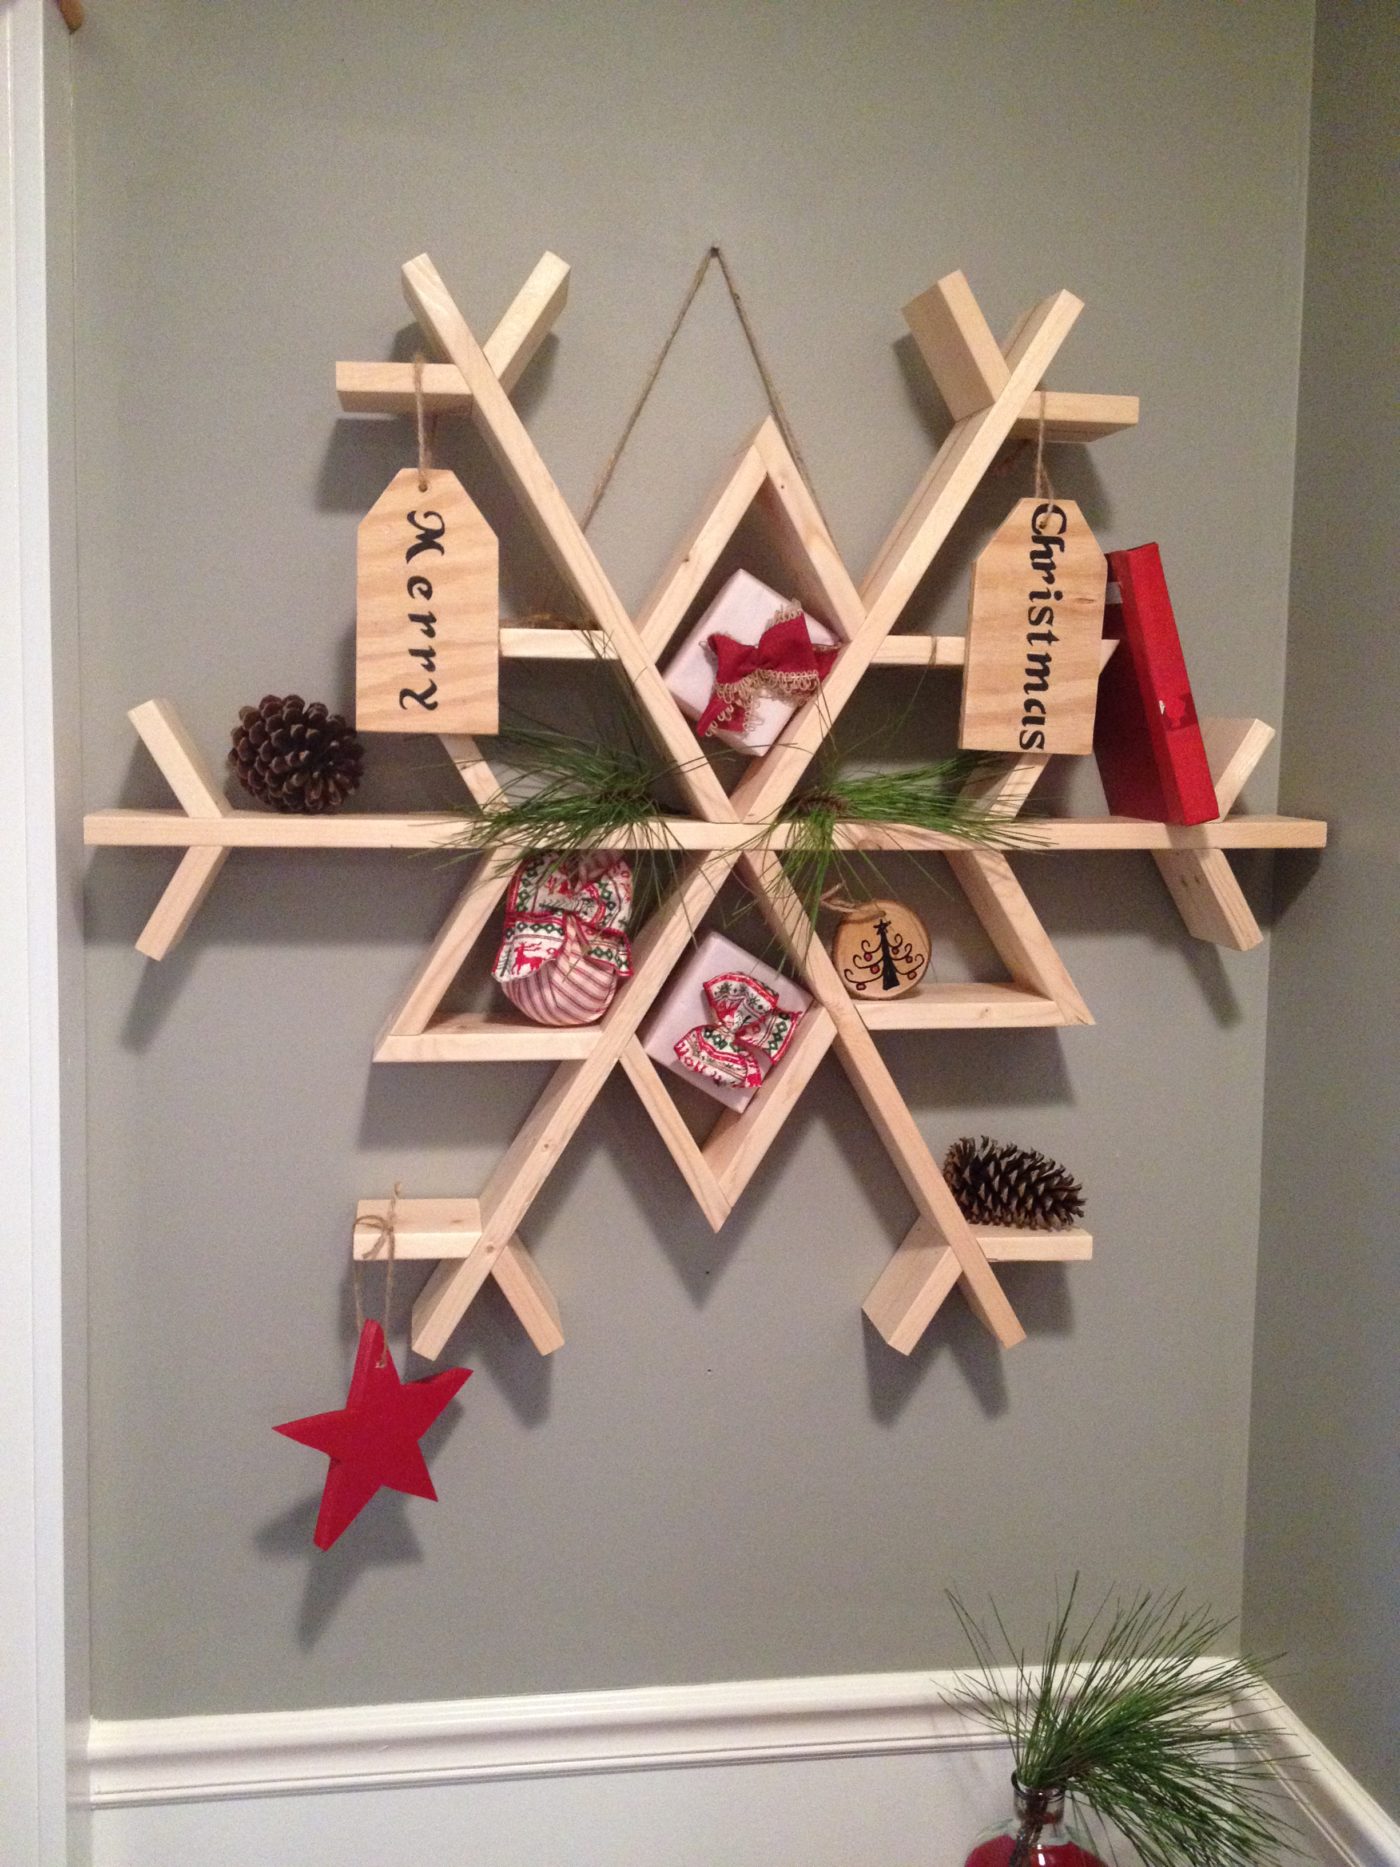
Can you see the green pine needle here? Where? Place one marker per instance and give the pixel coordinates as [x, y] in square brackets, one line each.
[1136, 1721]
[926, 797]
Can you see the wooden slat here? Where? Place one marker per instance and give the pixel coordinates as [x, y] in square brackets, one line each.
[1073, 416]
[956, 342]
[560, 532]
[1233, 749]
[480, 1037]
[739, 1142]
[423, 1228]
[1015, 931]
[1201, 882]
[441, 963]
[681, 1144]
[531, 1156]
[525, 1289]
[880, 1095]
[959, 1006]
[184, 895]
[387, 388]
[896, 651]
[1209, 898]
[910, 1290]
[247, 829]
[679, 584]
[180, 760]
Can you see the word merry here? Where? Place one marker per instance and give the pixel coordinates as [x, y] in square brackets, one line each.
[430, 530]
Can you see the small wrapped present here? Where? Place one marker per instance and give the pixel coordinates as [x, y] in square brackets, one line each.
[748, 664]
[725, 1022]
[563, 950]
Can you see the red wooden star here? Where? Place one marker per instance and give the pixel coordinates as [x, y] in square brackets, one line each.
[373, 1439]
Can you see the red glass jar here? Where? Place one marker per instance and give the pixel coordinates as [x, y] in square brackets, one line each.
[1036, 1836]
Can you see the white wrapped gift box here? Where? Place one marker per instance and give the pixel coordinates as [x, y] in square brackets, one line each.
[685, 1006]
[744, 608]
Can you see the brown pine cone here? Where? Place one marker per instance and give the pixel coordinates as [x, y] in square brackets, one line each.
[295, 757]
[998, 1183]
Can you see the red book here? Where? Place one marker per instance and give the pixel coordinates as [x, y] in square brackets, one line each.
[1147, 740]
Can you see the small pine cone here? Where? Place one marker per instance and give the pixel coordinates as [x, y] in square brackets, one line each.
[997, 1183]
[296, 757]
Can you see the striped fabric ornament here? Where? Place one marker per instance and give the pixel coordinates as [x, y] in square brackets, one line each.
[563, 951]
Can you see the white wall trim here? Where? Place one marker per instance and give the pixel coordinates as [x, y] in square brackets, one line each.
[1345, 1824]
[450, 1741]
[254, 1754]
[43, 1709]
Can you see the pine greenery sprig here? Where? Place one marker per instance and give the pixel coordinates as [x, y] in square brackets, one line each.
[1134, 1720]
[925, 797]
[568, 795]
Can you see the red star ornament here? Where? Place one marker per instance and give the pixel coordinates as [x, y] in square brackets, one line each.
[373, 1439]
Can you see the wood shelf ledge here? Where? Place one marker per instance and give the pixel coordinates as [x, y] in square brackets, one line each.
[249, 829]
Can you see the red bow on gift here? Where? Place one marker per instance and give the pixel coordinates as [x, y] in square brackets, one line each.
[749, 1032]
[784, 661]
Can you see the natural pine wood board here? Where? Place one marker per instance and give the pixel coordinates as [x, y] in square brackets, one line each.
[880, 1097]
[1070, 416]
[388, 388]
[956, 342]
[532, 1155]
[910, 1290]
[698, 553]
[247, 829]
[1014, 928]
[1201, 882]
[180, 760]
[681, 1144]
[558, 529]
[195, 874]
[959, 1006]
[738, 1143]
[482, 1037]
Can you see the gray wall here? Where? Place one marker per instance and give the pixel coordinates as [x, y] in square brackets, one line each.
[723, 1473]
[1324, 1503]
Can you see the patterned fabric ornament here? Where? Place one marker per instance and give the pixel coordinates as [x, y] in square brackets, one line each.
[747, 1034]
[784, 662]
[564, 951]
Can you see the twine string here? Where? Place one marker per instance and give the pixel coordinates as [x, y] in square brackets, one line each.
[1043, 488]
[384, 1226]
[713, 256]
[423, 420]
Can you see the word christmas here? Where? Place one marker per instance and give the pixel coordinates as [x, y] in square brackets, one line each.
[1034, 627]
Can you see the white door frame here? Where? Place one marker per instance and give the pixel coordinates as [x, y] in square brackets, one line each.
[43, 1606]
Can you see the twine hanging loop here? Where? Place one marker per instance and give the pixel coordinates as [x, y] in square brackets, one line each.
[422, 420]
[384, 1226]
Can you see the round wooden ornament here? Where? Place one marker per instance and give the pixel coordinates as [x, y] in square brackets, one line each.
[881, 949]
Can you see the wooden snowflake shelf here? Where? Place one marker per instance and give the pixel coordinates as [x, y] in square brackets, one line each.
[993, 393]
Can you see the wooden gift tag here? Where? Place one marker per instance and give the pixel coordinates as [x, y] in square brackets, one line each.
[880, 949]
[1034, 624]
[427, 620]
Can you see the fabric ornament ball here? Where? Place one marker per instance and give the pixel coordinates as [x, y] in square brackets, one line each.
[564, 950]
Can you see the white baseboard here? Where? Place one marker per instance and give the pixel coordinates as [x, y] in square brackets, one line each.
[450, 1741]
[209, 1760]
[1346, 1826]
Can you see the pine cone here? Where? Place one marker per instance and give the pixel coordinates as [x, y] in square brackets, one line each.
[296, 757]
[997, 1183]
